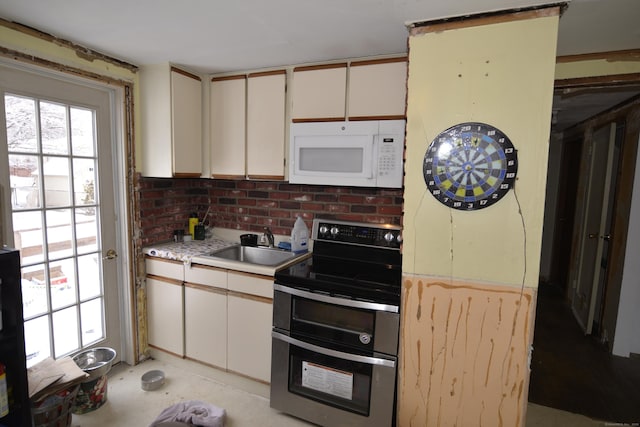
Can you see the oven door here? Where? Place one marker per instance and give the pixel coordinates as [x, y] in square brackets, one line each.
[330, 387]
[359, 325]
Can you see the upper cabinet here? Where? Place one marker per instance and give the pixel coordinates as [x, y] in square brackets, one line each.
[360, 90]
[171, 125]
[228, 126]
[318, 93]
[266, 125]
[377, 89]
[248, 126]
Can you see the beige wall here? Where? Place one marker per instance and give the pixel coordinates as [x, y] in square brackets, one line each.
[470, 278]
[500, 74]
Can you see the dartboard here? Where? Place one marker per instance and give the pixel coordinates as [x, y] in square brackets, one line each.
[470, 166]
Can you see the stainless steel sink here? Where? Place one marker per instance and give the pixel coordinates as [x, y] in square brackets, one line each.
[254, 255]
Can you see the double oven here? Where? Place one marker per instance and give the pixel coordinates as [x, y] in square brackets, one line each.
[336, 325]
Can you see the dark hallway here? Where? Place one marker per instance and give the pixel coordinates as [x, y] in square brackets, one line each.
[573, 372]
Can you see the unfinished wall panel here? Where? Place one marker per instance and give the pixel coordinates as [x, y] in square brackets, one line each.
[467, 357]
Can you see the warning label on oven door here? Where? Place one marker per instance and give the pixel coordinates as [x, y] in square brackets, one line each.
[327, 380]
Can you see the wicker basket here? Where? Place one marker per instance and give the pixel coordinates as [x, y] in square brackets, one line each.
[55, 411]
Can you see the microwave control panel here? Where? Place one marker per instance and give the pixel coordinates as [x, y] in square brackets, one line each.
[390, 149]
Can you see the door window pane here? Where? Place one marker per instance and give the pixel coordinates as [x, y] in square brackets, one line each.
[89, 276]
[25, 183]
[21, 124]
[59, 235]
[28, 236]
[34, 290]
[84, 181]
[82, 133]
[36, 340]
[53, 124]
[86, 230]
[62, 279]
[57, 188]
[65, 331]
[92, 324]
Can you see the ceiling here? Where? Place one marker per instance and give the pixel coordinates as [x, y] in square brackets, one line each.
[214, 36]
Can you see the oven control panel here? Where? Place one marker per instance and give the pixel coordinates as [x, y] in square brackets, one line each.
[365, 234]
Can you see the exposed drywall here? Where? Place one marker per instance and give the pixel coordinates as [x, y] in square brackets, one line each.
[466, 361]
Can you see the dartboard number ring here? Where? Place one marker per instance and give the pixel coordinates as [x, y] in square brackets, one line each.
[470, 166]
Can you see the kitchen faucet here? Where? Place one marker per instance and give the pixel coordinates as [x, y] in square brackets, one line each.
[269, 235]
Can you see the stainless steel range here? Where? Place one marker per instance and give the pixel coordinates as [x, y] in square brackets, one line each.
[335, 327]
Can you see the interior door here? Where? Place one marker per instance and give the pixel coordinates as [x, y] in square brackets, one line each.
[594, 226]
[58, 209]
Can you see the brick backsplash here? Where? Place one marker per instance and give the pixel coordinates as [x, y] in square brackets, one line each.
[165, 205]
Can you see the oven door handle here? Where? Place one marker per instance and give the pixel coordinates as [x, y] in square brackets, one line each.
[336, 300]
[334, 353]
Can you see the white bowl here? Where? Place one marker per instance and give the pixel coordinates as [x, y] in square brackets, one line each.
[152, 380]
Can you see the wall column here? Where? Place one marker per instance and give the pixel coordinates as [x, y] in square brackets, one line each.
[470, 277]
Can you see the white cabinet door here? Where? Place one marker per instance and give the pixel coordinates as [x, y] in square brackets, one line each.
[171, 137]
[249, 339]
[228, 127]
[165, 315]
[266, 125]
[186, 107]
[319, 92]
[206, 324]
[377, 89]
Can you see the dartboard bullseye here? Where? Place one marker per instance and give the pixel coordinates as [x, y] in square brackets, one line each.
[470, 166]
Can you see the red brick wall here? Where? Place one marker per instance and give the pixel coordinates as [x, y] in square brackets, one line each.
[165, 205]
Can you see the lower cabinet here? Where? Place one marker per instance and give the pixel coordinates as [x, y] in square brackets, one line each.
[212, 315]
[249, 336]
[205, 324]
[165, 314]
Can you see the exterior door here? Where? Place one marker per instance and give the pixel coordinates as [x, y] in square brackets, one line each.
[58, 209]
[594, 226]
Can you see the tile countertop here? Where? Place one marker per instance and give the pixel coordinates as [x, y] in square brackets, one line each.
[192, 251]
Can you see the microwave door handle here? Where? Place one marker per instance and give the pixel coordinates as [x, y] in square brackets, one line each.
[334, 353]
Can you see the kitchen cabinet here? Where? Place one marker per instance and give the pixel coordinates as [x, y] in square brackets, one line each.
[228, 127]
[266, 125]
[248, 126]
[171, 122]
[318, 93]
[250, 307]
[165, 305]
[205, 317]
[377, 89]
[165, 315]
[360, 90]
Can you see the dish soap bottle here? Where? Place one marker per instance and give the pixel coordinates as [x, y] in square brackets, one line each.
[299, 237]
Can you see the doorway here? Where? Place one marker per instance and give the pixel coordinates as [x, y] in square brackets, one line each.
[570, 369]
[59, 209]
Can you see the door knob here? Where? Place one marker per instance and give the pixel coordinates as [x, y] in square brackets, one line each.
[111, 254]
[607, 237]
[593, 235]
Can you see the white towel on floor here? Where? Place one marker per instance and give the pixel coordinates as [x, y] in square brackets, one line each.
[193, 412]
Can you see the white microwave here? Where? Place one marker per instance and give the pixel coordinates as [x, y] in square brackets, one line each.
[359, 154]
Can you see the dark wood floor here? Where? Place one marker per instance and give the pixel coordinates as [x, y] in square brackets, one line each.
[573, 372]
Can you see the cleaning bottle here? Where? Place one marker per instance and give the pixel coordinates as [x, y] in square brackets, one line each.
[193, 221]
[299, 237]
